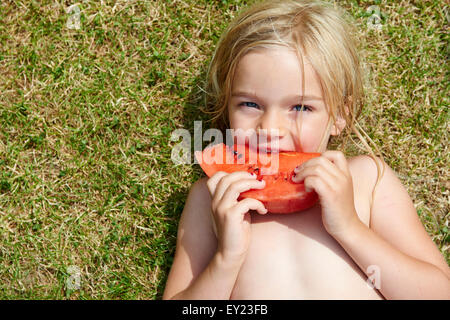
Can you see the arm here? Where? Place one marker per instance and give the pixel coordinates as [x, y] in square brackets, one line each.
[216, 282]
[410, 265]
[206, 267]
[195, 266]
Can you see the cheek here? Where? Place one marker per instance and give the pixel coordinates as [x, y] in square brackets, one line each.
[239, 121]
[311, 136]
[234, 121]
[308, 138]
[232, 118]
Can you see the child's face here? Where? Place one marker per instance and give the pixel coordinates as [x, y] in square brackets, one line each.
[266, 94]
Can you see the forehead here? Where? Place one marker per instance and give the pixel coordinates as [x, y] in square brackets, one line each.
[276, 71]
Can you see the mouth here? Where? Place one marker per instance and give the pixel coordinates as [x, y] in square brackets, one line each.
[266, 149]
[276, 151]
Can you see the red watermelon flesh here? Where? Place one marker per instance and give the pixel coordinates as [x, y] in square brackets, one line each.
[280, 194]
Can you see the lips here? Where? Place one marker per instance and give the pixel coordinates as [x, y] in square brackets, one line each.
[276, 151]
[267, 149]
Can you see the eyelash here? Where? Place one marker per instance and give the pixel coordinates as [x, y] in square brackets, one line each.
[245, 104]
[303, 107]
[253, 105]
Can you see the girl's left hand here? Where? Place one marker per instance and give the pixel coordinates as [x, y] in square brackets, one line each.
[330, 177]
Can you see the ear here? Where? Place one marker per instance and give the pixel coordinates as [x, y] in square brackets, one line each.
[338, 126]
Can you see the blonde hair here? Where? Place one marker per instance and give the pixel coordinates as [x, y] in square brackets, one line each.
[316, 30]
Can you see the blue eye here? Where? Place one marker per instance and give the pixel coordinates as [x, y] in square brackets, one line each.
[301, 107]
[249, 104]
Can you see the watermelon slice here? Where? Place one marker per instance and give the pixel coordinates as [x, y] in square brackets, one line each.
[280, 194]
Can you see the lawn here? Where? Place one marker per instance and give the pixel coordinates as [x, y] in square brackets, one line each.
[88, 190]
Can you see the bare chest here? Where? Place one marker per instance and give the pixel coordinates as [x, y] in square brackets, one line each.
[293, 257]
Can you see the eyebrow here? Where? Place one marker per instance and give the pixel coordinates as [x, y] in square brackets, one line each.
[253, 95]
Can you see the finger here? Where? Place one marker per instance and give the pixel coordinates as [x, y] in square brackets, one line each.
[305, 164]
[247, 204]
[225, 181]
[237, 187]
[212, 182]
[318, 170]
[317, 184]
[319, 161]
[338, 158]
[323, 162]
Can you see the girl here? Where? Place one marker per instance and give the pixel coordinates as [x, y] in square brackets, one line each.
[289, 70]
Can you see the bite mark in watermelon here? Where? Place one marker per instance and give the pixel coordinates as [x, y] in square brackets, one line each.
[280, 194]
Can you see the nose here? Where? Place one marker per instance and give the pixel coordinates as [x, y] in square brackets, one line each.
[272, 125]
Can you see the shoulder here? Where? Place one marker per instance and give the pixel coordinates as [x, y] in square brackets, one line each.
[199, 194]
[367, 171]
[386, 188]
[394, 216]
[196, 242]
[195, 230]
[198, 205]
[366, 165]
[378, 176]
[199, 190]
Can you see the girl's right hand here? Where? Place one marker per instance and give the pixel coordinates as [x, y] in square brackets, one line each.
[230, 216]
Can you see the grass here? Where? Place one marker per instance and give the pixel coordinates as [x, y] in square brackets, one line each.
[86, 177]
